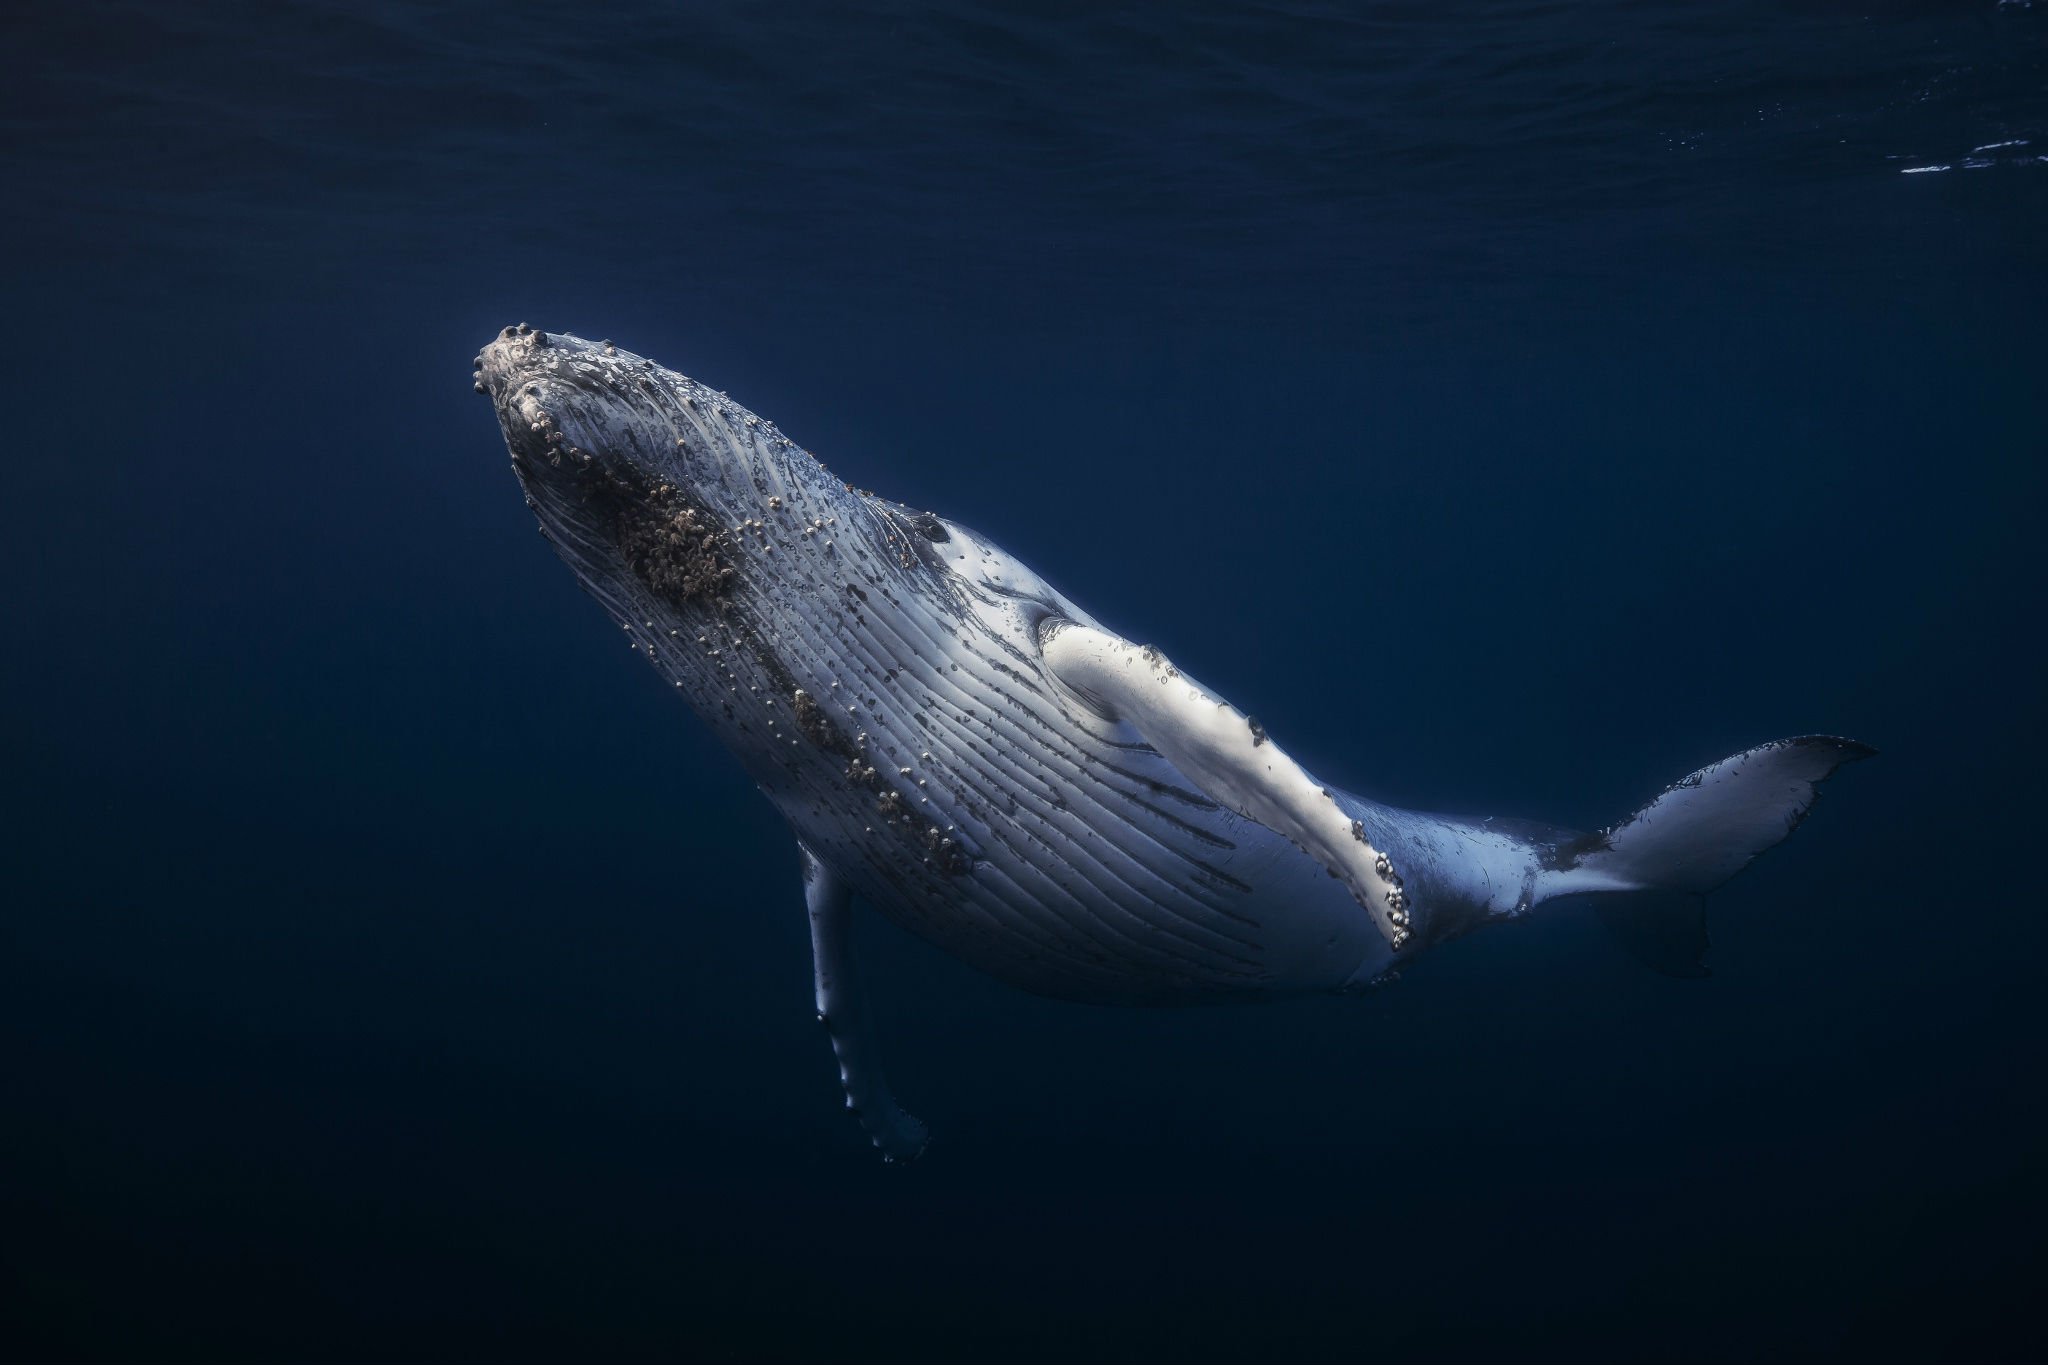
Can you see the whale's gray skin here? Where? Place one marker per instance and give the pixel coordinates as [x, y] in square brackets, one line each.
[972, 754]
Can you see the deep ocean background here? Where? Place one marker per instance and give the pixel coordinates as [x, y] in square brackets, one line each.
[1517, 404]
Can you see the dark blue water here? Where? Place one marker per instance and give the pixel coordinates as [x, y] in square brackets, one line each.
[1517, 404]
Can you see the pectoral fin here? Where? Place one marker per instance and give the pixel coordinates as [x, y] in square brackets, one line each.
[1228, 755]
[843, 1011]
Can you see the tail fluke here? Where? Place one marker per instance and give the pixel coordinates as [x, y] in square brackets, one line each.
[1699, 832]
[1704, 829]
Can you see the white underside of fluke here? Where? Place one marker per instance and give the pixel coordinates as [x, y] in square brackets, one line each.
[1229, 756]
[1705, 828]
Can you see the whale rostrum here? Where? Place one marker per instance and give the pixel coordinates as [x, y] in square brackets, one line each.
[962, 748]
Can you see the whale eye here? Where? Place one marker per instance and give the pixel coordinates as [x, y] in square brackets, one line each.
[931, 528]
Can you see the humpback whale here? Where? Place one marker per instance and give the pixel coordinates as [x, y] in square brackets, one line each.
[964, 749]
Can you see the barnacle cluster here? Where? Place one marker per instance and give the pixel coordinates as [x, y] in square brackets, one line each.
[671, 545]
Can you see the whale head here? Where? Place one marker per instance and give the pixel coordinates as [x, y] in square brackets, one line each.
[806, 621]
[651, 484]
